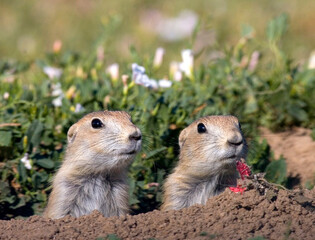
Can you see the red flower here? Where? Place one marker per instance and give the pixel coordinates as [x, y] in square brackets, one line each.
[243, 169]
[237, 189]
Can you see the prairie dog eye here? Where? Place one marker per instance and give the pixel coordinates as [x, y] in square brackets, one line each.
[201, 128]
[97, 123]
[239, 126]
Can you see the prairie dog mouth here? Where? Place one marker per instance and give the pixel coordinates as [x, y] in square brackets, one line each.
[131, 152]
[132, 149]
[231, 159]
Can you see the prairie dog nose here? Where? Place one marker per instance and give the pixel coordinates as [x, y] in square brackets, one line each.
[236, 139]
[135, 136]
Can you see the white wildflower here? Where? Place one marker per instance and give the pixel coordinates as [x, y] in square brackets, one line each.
[164, 83]
[140, 78]
[58, 93]
[56, 89]
[113, 71]
[188, 62]
[6, 95]
[152, 84]
[137, 69]
[147, 82]
[311, 61]
[178, 76]
[158, 57]
[57, 102]
[26, 161]
[175, 71]
[137, 73]
[52, 72]
[79, 108]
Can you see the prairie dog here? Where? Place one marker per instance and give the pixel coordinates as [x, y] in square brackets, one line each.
[93, 175]
[209, 150]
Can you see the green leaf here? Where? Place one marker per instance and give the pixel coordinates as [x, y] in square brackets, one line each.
[297, 112]
[22, 172]
[259, 155]
[43, 176]
[4, 190]
[45, 163]
[277, 27]
[21, 203]
[36, 179]
[41, 197]
[132, 189]
[141, 184]
[112, 237]
[160, 175]
[34, 133]
[257, 238]
[5, 138]
[155, 152]
[10, 199]
[276, 171]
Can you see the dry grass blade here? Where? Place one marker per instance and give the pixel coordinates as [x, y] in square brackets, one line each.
[9, 125]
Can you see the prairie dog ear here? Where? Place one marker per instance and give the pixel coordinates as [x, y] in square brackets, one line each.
[182, 138]
[72, 132]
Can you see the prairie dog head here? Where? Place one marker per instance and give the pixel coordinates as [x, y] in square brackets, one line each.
[103, 140]
[211, 145]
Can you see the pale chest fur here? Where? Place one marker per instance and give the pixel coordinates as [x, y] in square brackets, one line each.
[82, 196]
[184, 191]
[99, 193]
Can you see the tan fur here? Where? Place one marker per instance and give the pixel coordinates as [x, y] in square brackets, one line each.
[93, 174]
[207, 162]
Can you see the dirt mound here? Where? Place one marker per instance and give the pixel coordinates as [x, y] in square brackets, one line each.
[275, 214]
[298, 148]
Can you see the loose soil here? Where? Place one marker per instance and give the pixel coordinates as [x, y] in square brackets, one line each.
[298, 148]
[261, 211]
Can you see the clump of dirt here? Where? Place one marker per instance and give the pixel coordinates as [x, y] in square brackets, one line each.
[262, 210]
[298, 148]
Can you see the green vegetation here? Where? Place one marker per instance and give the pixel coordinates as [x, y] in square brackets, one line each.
[109, 237]
[207, 235]
[254, 80]
[257, 238]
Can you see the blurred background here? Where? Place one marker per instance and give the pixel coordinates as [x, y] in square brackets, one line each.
[28, 29]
